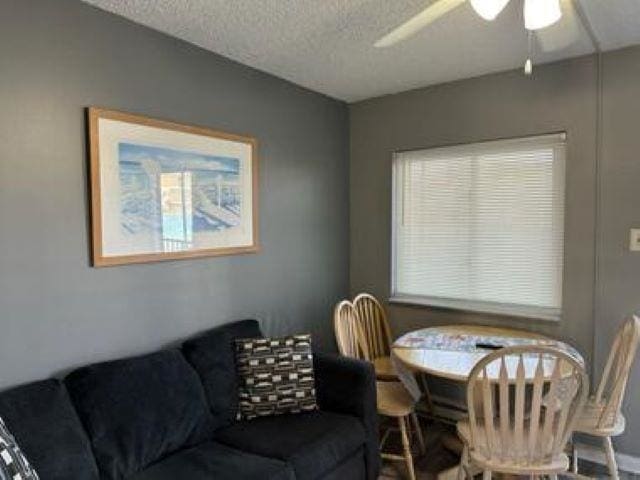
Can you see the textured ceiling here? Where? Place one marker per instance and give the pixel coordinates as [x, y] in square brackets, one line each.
[327, 45]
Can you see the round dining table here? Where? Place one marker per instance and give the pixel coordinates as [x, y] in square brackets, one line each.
[451, 352]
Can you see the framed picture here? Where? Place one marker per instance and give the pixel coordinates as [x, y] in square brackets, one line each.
[164, 191]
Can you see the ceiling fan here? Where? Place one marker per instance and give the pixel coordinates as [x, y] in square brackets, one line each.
[538, 14]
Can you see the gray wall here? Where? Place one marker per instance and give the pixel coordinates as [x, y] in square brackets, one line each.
[559, 97]
[56, 312]
[618, 289]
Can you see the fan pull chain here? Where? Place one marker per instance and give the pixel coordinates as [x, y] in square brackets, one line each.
[528, 65]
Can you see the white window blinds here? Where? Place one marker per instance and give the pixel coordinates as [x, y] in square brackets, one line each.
[481, 227]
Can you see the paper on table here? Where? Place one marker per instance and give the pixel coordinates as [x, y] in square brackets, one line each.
[461, 342]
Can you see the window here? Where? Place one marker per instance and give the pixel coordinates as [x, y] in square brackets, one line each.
[481, 227]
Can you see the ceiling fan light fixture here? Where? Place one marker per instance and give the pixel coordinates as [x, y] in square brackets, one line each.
[541, 13]
[488, 9]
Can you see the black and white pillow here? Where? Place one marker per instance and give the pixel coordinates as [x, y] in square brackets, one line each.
[276, 376]
[13, 464]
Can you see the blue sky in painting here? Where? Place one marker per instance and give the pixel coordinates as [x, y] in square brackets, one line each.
[172, 160]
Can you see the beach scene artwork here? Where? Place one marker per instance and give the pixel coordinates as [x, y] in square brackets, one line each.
[176, 197]
[163, 191]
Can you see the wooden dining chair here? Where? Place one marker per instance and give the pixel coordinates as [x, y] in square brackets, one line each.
[509, 430]
[377, 335]
[393, 400]
[602, 416]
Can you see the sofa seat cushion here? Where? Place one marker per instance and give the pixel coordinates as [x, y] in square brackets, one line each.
[46, 427]
[315, 443]
[213, 460]
[353, 468]
[139, 410]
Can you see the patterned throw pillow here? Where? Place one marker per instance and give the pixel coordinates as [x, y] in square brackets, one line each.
[13, 464]
[276, 376]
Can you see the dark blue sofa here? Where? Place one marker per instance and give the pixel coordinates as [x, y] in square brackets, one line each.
[171, 415]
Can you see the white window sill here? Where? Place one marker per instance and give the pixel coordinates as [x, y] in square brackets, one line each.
[512, 310]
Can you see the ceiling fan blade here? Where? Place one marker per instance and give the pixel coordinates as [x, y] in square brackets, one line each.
[562, 34]
[417, 23]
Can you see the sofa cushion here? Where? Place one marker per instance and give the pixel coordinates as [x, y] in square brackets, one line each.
[212, 354]
[314, 443]
[42, 419]
[212, 460]
[354, 467]
[276, 376]
[137, 410]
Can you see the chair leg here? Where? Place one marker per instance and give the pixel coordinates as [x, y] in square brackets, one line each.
[464, 463]
[416, 425]
[553, 476]
[426, 393]
[486, 475]
[574, 458]
[611, 458]
[407, 448]
[384, 437]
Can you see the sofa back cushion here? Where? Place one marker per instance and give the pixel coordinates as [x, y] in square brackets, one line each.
[138, 410]
[212, 354]
[46, 427]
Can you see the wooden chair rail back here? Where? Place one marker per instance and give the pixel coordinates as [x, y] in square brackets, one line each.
[348, 332]
[511, 421]
[375, 326]
[613, 383]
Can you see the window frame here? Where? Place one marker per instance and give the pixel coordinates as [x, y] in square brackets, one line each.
[551, 314]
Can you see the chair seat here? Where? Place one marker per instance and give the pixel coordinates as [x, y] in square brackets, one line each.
[558, 464]
[590, 416]
[384, 369]
[393, 399]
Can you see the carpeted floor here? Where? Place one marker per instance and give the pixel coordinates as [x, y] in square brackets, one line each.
[438, 458]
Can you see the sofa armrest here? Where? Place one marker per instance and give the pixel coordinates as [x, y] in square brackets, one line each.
[348, 386]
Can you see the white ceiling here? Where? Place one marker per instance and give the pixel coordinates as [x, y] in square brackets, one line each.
[327, 45]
